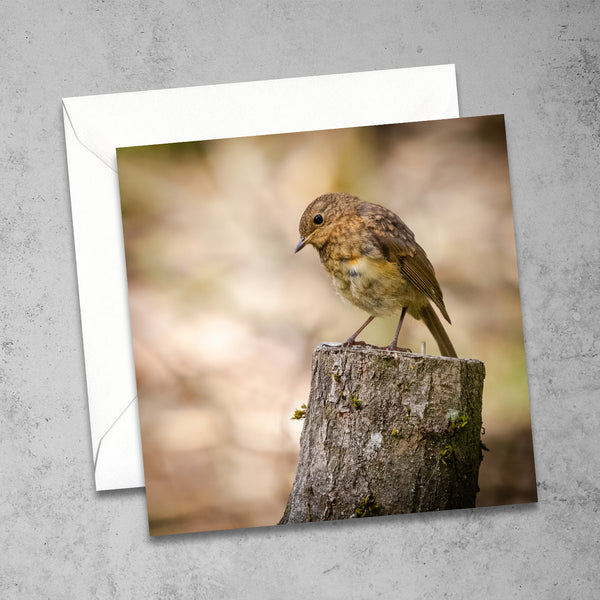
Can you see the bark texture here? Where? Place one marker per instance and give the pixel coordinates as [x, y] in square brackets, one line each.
[387, 432]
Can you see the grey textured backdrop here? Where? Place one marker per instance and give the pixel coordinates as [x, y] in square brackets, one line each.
[535, 62]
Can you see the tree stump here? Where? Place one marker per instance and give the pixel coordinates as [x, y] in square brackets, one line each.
[387, 432]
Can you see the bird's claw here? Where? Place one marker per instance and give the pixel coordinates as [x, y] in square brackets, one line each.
[395, 347]
[350, 342]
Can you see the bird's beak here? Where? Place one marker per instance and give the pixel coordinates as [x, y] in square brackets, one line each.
[303, 241]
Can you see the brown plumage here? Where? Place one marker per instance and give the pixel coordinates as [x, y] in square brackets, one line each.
[374, 262]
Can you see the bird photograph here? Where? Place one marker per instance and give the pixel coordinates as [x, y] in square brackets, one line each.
[413, 251]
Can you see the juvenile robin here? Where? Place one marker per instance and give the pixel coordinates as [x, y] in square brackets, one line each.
[375, 263]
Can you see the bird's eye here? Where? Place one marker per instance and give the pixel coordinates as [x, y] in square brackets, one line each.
[318, 219]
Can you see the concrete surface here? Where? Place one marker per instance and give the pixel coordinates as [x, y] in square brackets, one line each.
[536, 62]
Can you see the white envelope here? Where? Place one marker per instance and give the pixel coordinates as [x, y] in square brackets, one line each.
[96, 125]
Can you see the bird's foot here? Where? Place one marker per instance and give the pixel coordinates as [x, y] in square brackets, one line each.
[353, 342]
[394, 346]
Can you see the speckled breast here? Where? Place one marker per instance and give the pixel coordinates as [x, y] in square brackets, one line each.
[374, 285]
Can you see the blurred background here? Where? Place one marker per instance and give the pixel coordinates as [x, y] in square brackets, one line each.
[225, 316]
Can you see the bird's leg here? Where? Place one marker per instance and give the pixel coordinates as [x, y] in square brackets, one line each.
[394, 344]
[352, 338]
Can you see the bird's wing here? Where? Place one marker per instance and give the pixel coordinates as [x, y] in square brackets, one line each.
[397, 244]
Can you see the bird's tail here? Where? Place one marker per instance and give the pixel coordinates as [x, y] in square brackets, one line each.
[437, 330]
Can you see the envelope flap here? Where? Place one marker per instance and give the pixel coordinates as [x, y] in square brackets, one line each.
[106, 122]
